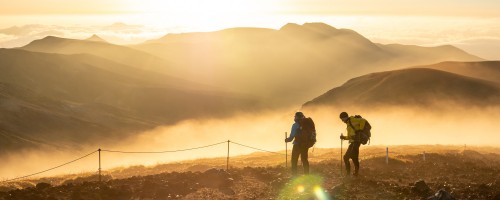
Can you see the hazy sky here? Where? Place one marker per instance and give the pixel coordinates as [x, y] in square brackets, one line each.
[485, 8]
[469, 24]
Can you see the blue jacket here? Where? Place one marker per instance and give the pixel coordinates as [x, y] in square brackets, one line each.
[295, 130]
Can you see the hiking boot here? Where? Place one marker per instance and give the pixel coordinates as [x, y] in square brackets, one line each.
[355, 174]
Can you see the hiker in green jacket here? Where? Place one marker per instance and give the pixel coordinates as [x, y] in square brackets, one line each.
[353, 124]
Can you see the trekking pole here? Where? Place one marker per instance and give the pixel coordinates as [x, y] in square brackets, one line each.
[286, 152]
[99, 164]
[341, 142]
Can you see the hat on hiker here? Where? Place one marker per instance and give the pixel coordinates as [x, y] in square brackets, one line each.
[299, 114]
[343, 115]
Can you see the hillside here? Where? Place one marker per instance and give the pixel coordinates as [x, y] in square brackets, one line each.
[293, 64]
[487, 70]
[412, 87]
[98, 47]
[406, 176]
[68, 100]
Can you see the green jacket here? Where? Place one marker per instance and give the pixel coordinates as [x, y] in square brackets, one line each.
[358, 123]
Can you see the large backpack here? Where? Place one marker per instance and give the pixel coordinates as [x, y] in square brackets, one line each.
[363, 136]
[307, 133]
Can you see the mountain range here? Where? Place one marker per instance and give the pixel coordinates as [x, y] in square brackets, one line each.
[61, 92]
[283, 67]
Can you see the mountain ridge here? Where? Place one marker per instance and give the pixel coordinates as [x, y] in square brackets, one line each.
[321, 55]
[411, 87]
[116, 53]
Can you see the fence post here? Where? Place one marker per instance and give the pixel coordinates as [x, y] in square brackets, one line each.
[424, 155]
[227, 163]
[286, 152]
[386, 155]
[99, 164]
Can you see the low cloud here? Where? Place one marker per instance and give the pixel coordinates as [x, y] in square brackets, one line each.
[118, 33]
[266, 130]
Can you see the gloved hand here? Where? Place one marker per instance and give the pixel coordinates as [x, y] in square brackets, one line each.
[288, 140]
[343, 137]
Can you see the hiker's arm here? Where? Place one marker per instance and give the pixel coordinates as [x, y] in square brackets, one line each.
[293, 132]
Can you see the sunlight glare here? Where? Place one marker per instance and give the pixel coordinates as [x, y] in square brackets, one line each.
[300, 188]
[202, 13]
[320, 193]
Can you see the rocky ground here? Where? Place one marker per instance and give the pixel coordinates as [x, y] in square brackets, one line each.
[465, 175]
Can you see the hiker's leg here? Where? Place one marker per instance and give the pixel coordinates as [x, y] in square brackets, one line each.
[304, 154]
[347, 156]
[355, 157]
[295, 158]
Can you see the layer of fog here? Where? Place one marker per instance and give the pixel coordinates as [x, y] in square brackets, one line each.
[266, 130]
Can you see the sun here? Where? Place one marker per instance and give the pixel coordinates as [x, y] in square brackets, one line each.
[200, 8]
[202, 13]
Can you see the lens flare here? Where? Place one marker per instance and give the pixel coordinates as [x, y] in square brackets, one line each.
[300, 188]
[304, 187]
[320, 193]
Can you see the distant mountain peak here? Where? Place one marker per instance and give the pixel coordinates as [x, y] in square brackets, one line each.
[50, 37]
[290, 26]
[96, 38]
[320, 25]
[309, 26]
[48, 40]
[317, 29]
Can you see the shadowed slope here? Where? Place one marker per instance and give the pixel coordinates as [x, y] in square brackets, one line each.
[72, 98]
[488, 70]
[412, 87]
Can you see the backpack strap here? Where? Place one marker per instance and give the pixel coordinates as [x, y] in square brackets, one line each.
[356, 136]
[349, 120]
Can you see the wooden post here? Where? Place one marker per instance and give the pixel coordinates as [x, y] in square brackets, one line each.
[99, 164]
[424, 155]
[386, 155]
[227, 163]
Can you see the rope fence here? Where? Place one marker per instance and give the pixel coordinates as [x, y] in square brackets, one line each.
[257, 148]
[178, 150]
[67, 163]
[136, 152]
[169, 151]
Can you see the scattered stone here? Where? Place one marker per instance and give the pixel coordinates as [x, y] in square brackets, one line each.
[441, 195]
[42, 186]
[421, 188]
[338, 188]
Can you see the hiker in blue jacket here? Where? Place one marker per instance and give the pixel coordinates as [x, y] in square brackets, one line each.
[298, 149]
